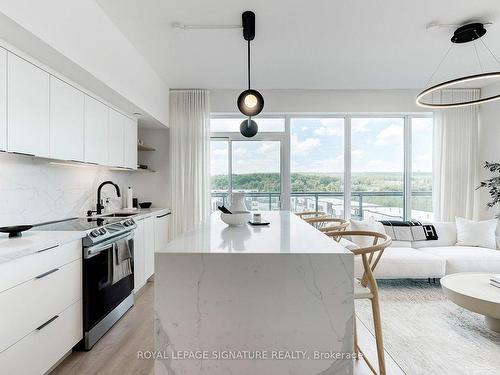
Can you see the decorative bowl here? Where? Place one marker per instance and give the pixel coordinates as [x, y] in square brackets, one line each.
[145, 204]
[236, 218]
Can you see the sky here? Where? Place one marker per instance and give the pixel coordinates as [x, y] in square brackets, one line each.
[317, 146]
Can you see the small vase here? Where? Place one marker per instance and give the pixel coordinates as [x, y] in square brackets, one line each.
[237, 202]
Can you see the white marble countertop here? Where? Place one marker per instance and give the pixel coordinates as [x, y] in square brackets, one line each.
[286, 233]
[33, 241]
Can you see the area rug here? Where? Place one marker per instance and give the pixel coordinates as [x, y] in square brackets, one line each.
[427, 334]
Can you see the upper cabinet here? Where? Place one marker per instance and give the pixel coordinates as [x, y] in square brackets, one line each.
[66, 121]
[42, 115]
[116, 139]
[96, 131]
[27, 108]
[3, 100]
[130, 150]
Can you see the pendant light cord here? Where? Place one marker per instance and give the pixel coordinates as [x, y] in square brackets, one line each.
[489, 50]
[249, 65]
[439, 65]
[478, 58]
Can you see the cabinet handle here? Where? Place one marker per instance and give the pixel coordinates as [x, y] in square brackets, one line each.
[159, 217]
[47, 322]
[47, 273]
[48, 248]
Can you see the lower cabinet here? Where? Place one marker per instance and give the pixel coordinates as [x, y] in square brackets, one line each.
[139, 257]
[40, 309]
[151, 234]
[161, 230]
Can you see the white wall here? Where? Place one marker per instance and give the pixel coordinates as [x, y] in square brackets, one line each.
[154, 187]
[81, 34]
[489, 144]
[325, 101]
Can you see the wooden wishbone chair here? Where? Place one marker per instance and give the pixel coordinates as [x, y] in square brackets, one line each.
[366, 287]
[310, 214]
[328, 224]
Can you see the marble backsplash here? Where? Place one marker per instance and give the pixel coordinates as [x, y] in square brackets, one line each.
[34, 191]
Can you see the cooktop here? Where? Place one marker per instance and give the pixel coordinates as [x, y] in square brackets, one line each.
[79, 224]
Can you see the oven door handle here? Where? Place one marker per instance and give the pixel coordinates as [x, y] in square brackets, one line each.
[89, 252]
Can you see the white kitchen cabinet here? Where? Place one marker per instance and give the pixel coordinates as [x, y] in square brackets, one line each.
[116, 138]
[149, 246]
[139, 256]
[40, 308]
[96, 131]
[161, 230]
[130, 143]
[27, 108]
[3, 100]
[66, 121]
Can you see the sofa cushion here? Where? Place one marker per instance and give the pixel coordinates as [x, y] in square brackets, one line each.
[466, 258]
[476, 233]
[447, 236]
[368, 225]
[404, 262]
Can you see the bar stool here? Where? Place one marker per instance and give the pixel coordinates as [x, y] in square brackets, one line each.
[366, 287]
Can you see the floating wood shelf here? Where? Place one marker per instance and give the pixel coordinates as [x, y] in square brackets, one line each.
[145, 148]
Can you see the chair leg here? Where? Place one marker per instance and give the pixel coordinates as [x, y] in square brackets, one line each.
[377, 322]
[356, 347]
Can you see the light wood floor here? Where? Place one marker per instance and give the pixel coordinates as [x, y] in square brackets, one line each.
[116, 352]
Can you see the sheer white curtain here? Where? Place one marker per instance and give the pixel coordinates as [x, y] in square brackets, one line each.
[455, 157]
[190, 153]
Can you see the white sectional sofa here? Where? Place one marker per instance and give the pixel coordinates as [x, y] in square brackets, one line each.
[433, 259]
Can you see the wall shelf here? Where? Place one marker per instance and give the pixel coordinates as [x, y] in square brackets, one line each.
[145, 148]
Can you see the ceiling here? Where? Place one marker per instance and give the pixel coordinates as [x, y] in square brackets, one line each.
[315, 44]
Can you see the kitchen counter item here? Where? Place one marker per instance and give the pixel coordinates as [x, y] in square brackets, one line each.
[16, 230]
[145, 204]
[235, 218]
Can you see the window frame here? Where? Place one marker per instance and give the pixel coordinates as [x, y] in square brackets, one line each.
[285, 148]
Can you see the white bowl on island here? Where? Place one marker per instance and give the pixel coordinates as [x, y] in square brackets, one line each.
[236, 218]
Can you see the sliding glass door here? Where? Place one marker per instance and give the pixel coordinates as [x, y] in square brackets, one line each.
[346, 166]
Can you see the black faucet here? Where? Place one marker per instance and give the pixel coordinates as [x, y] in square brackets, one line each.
[99, 206]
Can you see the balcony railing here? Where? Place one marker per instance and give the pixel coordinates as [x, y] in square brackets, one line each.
[363, 203]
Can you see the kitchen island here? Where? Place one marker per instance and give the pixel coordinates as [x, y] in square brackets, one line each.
[274, 299]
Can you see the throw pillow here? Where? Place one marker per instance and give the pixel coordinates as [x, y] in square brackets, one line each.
[368, 225]
[476, 233]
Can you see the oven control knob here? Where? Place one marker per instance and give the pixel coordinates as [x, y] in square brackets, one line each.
[127, 223]
[94, 233]
[102, 231]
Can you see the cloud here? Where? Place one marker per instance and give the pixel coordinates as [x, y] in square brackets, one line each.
[392, 135]
[333, 131]
[304, 147]
[360, 125]
[357, 154]
[219, 152]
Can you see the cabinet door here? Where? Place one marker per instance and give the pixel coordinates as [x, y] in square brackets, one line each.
[66, 121]
[139, 272]
[116, 138]
[161, 231]
[96, 131]
[3, 100]
[149, 246]
[130, 146]
[27, 108]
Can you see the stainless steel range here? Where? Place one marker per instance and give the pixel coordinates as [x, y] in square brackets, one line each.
[108, 272]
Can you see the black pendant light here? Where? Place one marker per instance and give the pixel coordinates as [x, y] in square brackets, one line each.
[250, 102]
[249, 128]
[464, 34]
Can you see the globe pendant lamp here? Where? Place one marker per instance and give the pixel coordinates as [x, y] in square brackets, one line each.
[250, 102]
[464, 34]
[248, 128]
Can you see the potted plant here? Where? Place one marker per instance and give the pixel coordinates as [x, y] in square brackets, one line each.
[492, 184]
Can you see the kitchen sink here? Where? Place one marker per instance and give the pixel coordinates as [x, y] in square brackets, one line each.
[118, 215]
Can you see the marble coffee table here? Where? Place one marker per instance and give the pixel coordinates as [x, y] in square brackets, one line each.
[473, 292]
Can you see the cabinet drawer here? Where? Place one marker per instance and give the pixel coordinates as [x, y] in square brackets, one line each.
[30, 304]
[41, 349]
[26, 268]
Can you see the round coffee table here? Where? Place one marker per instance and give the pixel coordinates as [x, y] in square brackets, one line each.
[473, 292]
